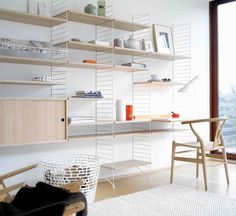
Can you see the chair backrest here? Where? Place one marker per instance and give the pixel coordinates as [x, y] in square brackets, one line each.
[4, 190]
[219, 123]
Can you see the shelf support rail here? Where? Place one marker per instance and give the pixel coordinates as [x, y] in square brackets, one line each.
[141, 97]
[59, 34]
[105, 108]
[181, 74]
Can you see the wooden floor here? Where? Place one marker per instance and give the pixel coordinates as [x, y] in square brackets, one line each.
[184, 176]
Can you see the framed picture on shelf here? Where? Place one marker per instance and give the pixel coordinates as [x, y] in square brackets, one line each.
[163, 39]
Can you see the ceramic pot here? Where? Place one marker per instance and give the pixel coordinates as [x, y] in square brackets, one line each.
[132, 43]
[90, 9]
[101, 8]
[119, 42]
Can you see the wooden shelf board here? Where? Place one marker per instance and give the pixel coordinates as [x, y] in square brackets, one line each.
[133, 52]
[160, 119]
[21, 17]
[88, 65]
[128, 69]
[121, 165]
[30, 61]
[121, 134]
[25, 82]
[84, 46]
[102, 21]
[47, 62]
[118, 50]
[129, 26]
[86, 18]
[168, 57]
[111, 122]
[156, 84]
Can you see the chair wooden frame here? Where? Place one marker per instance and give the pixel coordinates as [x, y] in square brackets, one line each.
[201, 148]
[5, 192]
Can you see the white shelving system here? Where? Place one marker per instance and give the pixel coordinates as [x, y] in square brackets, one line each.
[106, 128]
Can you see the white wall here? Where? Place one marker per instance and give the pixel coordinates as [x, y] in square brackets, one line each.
[165, 12]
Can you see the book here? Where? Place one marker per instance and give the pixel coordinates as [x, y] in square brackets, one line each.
[97, 42]
[135, 64]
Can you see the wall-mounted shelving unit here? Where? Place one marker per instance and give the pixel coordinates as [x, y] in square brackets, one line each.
[106, 133]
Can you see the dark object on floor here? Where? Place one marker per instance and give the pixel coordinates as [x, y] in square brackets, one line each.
[42, 200]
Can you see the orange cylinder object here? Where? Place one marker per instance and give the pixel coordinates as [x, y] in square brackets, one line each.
[129, 112]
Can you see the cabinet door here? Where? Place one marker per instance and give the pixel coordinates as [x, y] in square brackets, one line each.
[32, 121]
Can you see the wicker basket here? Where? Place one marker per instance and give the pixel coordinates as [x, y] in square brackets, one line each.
[63, 169]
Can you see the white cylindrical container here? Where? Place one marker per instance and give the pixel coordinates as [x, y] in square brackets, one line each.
[120, 110]
[63, 169]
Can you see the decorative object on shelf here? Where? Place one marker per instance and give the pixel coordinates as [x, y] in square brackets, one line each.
[175, 115]
[76, 40]
[43, 9]
[90, 9]
[135, 65]
[97, 42]
[90, 61]
[15, 47]
[147, 45]
[163, 39]
[120, 110]
[101, 8]
[32, 7]
[119, 42]
[88, 94]
[129, 112]
[59, 170]
[80, 119]
[166, 80]
[155, 77]
[132, 43]
[43, 79]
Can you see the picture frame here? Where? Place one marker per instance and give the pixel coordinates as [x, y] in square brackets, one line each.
[163, 39]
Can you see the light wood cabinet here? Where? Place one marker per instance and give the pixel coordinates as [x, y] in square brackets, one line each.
[28, 121]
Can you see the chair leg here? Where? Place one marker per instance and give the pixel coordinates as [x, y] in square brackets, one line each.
[204, 169]
[226, 165]
[197, 164]
[172, 162]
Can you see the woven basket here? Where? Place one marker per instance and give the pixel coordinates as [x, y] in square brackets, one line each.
[63, 169]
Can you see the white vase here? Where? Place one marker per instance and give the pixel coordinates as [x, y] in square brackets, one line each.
[120, 110]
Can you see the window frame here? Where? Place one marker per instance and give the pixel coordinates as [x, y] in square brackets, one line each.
[214, 61]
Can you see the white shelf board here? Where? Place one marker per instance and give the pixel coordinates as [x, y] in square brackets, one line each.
[122, 165]
[26, 18]
[25, 82]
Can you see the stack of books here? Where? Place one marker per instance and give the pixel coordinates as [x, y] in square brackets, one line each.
[80, 119]
[135, 65]
[88, 94]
